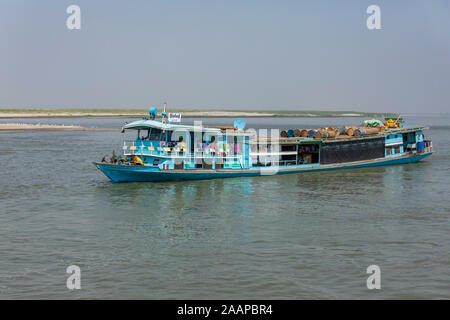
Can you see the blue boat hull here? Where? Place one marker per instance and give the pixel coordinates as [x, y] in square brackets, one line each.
[127, 173]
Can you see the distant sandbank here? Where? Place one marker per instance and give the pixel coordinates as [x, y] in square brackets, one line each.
[124, 113]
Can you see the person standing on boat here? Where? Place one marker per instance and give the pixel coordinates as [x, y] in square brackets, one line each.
[213, 146]
[182, 145]
[113, 158]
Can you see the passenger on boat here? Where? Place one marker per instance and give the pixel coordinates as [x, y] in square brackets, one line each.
[236, 148]
[136, 161]
[182, 145]
[113, 158]
[222, 148]
[302, 159]
[212, 146]
[199, 145]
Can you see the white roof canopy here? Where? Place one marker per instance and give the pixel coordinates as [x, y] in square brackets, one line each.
[147, 124]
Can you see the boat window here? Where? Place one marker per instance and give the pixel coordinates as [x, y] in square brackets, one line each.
[306, 154]
[179, 136]
[157, 135]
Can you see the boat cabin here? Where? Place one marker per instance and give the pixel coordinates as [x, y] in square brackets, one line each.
[171, 146]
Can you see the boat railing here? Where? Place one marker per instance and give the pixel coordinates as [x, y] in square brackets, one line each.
[153, 148]
[147, 148]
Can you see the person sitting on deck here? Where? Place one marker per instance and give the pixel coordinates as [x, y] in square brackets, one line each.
[136, 161]
[301, 160]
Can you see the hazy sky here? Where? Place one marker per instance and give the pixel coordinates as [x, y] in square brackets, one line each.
[243, 54]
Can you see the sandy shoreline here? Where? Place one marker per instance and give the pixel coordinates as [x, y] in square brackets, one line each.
[47, 127]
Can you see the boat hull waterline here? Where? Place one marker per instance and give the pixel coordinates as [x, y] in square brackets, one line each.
[129, 173]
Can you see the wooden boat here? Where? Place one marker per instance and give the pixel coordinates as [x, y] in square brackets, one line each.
[165, 152]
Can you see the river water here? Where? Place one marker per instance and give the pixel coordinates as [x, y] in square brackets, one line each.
[297, 236]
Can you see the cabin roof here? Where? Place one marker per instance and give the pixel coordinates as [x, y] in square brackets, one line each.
[146, 124]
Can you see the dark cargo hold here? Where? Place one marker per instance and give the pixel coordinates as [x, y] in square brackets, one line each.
[348, 151]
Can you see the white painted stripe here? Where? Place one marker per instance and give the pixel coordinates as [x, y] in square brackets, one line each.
[393, 144]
